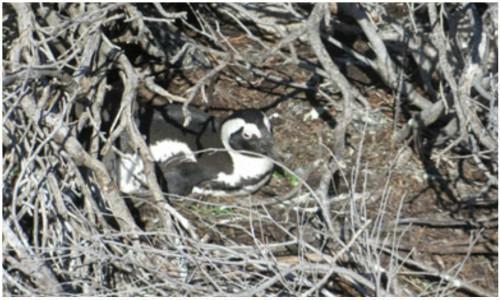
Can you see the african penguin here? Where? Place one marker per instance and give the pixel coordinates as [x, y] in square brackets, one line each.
[210, 155]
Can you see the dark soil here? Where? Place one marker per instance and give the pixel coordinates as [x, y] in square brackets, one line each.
[304, 142]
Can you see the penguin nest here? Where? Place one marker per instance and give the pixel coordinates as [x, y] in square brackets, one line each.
[384, 117]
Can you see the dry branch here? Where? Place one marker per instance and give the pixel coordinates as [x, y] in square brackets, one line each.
[76, 77]
[107, 186]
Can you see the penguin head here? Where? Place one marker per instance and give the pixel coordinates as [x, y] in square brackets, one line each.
[248, 130]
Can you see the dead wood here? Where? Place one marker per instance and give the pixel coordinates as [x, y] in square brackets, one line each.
[76, 77]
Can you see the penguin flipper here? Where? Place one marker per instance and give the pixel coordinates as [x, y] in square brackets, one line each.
[181, 178]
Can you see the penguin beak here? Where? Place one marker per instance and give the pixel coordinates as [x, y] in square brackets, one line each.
[267, 147]
[271, 152]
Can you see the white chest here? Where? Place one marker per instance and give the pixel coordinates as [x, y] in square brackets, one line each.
[245, 167]
[245, 190]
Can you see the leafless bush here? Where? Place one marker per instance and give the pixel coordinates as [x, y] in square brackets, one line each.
[74, 76]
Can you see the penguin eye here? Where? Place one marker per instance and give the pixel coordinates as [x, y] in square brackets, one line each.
[246, 135]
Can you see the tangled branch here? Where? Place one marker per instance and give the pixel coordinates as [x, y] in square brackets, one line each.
[75, 77]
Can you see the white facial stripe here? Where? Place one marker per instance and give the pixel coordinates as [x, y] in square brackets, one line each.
[228, 128]
[251, 130]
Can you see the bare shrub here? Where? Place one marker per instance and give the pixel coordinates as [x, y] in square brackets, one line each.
[75, 75]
